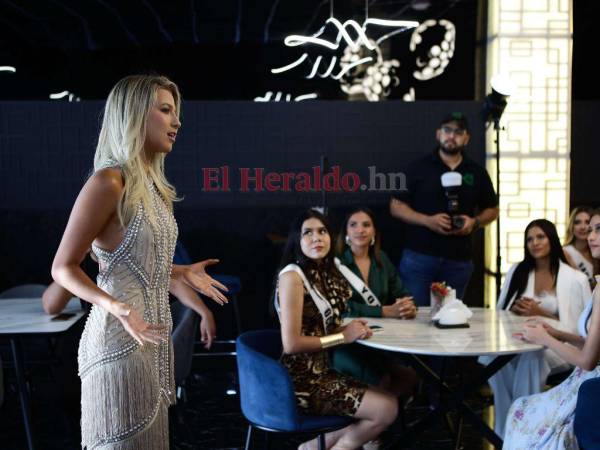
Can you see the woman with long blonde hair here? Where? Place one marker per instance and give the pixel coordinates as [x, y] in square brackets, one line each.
[576, 248]
[124, 212]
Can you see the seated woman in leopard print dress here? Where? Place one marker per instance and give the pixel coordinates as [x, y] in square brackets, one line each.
[311, 298]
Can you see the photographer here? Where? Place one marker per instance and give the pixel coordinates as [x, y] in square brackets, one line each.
[441, 213]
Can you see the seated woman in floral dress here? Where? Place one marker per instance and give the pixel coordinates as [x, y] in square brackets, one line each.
[545, 420]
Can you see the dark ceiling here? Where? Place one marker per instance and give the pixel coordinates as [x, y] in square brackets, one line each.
[213, 49]
[220, 49]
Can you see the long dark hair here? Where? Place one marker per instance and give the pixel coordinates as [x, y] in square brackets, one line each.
[375, 249]
[292, 253]
[518, 283]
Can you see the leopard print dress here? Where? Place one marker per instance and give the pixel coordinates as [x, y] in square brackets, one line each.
[318, 387]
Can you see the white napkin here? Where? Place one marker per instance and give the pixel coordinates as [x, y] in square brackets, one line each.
[453, 312]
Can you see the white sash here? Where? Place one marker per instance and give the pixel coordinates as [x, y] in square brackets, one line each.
[323, 305]
[358, 284]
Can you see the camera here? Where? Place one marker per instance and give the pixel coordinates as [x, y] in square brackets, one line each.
[458, 222]
[451, 182]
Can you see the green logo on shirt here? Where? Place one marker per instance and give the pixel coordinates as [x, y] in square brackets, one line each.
[469, 179]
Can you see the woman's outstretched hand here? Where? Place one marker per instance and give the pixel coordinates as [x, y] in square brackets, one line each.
[136, 326]
[195, 276]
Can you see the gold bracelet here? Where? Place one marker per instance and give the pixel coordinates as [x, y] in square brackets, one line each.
[331, 340]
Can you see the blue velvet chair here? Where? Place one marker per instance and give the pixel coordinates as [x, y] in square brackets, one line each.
[267, 394]
[185, 324]
[587, 420]
[234, 285]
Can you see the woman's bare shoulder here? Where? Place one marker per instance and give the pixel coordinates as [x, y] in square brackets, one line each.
[290, 277]
[106, 182]
[108, 178]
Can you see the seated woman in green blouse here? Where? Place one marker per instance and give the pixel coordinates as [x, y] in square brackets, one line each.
[377, 292]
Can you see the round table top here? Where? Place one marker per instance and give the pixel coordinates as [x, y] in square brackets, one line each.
[490, 333]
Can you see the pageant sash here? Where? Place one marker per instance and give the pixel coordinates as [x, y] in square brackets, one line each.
[322, 304]
[358, 284]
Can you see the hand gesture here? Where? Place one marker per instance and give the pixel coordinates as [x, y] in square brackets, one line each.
[536, 334]
[440, 223]
[467, 228]
[136, 326]
[357, 329]
[195, 276]
[549, 328]
[526, 306]
[403, 308]
[208, 329]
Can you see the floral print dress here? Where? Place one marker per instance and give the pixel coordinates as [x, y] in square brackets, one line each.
[545, 420]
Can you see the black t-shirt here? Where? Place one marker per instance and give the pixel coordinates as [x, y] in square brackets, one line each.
[426, 195]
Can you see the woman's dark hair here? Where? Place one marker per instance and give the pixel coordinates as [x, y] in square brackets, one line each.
[292, 253]
[375, 249]
[520, 276]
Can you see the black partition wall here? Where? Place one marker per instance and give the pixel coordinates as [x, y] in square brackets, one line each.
[243, 170]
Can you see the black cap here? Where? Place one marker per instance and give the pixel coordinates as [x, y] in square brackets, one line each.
[457, 117]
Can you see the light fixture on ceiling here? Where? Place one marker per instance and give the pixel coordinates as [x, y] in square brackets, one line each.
[64, 94]
[281, 97]
[420, 5]
[361, 40]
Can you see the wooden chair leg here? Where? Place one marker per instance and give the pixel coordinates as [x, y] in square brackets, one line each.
[248, 437]
[322, 441]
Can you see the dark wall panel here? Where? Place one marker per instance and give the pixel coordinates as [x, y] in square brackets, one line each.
[585, 155]
[46, 152]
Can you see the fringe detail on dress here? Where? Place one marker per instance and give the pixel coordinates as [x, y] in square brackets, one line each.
[122, 406]
[155, 437]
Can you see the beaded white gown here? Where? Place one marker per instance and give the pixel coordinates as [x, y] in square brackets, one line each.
[126, 388]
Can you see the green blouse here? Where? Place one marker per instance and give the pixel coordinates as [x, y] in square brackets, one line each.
[383, 281]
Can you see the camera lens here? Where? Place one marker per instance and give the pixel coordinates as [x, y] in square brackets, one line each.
[457, 222]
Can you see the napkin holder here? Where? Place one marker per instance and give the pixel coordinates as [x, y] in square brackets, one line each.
[454, 314]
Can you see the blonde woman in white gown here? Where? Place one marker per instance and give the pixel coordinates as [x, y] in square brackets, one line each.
[124, 213]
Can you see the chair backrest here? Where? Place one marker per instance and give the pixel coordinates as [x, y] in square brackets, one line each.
[586, 425]
[24, 291]
[185, 324]
[266, 390]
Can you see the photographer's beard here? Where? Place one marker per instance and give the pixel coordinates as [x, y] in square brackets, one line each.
[449, 147]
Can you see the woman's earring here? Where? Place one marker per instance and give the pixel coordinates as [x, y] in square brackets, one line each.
[347, 240]
[372, 241]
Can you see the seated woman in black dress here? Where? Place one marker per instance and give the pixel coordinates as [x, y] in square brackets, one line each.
[311, 299]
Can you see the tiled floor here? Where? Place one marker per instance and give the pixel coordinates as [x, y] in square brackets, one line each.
[210, 419]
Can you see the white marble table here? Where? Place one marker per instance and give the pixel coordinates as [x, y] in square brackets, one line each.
[19, 316]
[490, 333]
[22, 317]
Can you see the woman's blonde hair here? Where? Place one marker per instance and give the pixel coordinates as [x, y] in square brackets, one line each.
[121, 143]
[570, 235]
